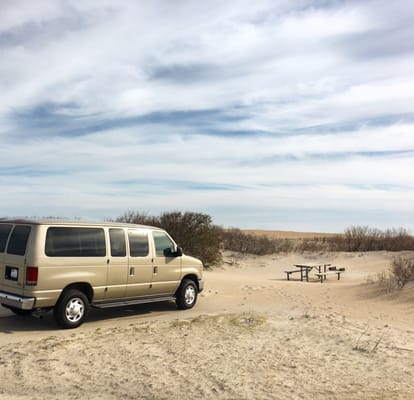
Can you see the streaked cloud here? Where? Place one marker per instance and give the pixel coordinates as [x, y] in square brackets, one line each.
[284, 115]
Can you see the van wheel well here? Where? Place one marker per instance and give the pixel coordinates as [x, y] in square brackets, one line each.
[83, 287]
[192, 278]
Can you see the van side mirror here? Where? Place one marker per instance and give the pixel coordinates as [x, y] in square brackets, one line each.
[169, 252]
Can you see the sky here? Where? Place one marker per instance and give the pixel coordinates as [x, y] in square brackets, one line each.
[284, 115]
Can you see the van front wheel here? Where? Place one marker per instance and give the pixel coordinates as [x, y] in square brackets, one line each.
[71, 309]
[186, 295]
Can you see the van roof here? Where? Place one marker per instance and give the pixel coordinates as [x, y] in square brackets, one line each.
[60, 222]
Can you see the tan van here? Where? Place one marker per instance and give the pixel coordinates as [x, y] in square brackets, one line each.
[70, 266]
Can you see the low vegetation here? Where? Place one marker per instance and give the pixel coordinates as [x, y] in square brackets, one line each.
[194, 232]
[199, 237]
[363, 238]
[402, 270]
[354, 239]
[236, 240]
[385, 281]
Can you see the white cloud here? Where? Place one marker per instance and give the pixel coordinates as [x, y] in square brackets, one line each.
[337, 111]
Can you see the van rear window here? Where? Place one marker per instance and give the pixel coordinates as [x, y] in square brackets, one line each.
[4, 235]
[18, 240]
[75, 242]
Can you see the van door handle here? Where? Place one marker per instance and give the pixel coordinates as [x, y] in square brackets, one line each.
[155, 270]
[132, 271]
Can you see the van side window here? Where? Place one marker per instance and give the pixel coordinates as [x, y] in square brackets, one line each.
[18, 240]
[118, 245]
[75, 242]
[163, 244]
[138, 243]
[4, 235]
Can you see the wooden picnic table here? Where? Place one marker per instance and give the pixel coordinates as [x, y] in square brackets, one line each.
[303, 269]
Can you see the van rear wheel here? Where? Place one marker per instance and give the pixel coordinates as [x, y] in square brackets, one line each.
[186, 295]
[71, 309]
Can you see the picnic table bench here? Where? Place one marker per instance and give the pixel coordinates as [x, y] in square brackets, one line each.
[331, 271]
[323, 270]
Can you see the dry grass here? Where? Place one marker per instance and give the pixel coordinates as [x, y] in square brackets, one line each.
[287, 234]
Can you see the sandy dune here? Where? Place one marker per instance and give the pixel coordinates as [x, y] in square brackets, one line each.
[252, 335]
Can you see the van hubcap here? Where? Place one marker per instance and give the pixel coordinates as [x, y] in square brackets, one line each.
[189, 295]
[75, 309]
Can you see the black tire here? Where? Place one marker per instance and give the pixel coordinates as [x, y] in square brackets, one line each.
[71, 309]
[18, 311]
[186, 295]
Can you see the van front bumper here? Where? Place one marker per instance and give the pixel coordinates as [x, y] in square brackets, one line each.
[12, 300]
[200, 285]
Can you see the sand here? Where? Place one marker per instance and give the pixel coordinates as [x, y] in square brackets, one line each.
[252, 335]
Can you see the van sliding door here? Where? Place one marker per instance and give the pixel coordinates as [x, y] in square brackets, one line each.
[140, 264]
[117, 275]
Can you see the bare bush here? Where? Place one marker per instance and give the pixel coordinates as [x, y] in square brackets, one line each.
[136, 217]
[363, 238]
[198, 236]
[193, 231]
[403, 270]
[236, 240]
[196, 233]
[317, 244]
[398, 240]
[354, 239]
[387, 281]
